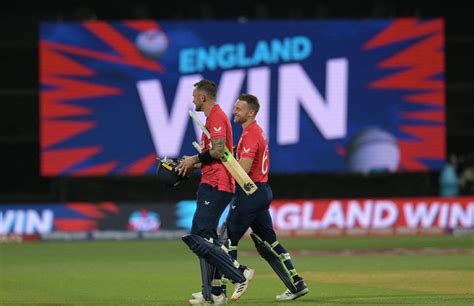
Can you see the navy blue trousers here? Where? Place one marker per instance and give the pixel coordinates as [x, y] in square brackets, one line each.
[251, 211]
[211, 203]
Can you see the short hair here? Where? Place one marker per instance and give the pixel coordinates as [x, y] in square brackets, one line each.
[208, 86]
[251, 100]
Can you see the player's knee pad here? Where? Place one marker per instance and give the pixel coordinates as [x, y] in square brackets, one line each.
[276, 261]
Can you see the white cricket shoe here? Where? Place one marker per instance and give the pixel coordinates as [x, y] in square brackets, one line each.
[288, 295]
[240, 288]
[198, 299]
[220, 299]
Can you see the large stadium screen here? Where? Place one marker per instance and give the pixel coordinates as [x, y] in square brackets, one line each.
[335, 95]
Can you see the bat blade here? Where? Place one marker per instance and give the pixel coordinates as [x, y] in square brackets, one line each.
[238, 173]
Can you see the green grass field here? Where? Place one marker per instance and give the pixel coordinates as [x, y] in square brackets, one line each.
[166, 273]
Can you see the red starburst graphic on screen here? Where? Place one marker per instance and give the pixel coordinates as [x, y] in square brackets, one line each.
[416, 69]
[64, 77]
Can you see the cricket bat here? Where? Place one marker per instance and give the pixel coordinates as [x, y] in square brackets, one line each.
[229, 162]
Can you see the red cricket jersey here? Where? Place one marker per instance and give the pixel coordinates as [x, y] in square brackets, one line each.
[215, 174]
[253, 144]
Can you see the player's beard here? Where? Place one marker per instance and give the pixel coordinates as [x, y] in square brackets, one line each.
[240, 119]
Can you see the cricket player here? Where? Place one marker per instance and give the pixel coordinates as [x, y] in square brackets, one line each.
[215, 191]
[253, 210]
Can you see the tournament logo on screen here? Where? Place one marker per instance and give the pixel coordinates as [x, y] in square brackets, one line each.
[144, 221]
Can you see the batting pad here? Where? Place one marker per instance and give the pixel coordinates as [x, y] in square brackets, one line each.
[276, 261]
[215, 256]
[207, 272]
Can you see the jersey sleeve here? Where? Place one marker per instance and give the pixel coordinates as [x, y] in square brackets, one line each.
[217, 127]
